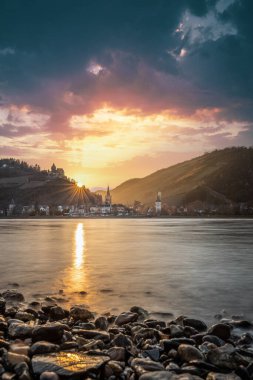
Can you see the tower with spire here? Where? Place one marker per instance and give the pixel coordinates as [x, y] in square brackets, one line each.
[158, 203]
[108, 197]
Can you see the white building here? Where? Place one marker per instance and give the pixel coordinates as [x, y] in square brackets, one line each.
[158, 203]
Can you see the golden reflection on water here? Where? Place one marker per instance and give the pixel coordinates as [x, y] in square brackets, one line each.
[77, 272]
[79, 246]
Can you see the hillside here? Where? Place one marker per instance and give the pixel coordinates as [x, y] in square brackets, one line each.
[29, 185]
[221, 176]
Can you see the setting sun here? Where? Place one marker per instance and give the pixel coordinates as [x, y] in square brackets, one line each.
[79, 184]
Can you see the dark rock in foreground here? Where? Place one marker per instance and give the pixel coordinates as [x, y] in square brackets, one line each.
[67, 364]
[47, 342]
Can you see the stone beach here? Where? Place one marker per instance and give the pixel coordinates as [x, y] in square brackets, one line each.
[42, 340]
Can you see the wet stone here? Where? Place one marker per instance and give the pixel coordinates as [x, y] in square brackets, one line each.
[86, 326]
[8, 376]
[22, 370]
[168, 344]
[13, 295]
[67, 364]
[221, 330]
[195, 323]
[101, 323]
[92, 334]
[12, 359]
[125, 318]
[51, 332]
[188, 353]
[2, 305]
[19, 348]
[43, 347]
[176, 331]
[117, 353]
[222, 376]
[153, 354]
[80, 314]
[49, 376]
[24, 316]
[141, 365]
[56, 313]
[158, 375]
[213, 339]
[122, 340]
[4, 344]
[222, 356]
[20, 330]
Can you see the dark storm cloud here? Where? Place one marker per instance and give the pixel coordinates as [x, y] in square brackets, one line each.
[46, 47]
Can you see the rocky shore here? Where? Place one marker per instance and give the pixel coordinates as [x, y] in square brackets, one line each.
[47, 342]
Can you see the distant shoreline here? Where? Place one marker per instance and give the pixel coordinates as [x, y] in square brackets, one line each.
[128, 217]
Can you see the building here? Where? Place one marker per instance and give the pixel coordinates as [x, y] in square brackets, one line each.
[158, 203]
[108, 198]
[11, 208]
[57, 172]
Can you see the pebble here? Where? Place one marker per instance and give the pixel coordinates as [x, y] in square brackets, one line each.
[13, 295]
[80, 314]
[43, 347]
[47, 342]
[67, 364]
[188, 353]
[221, 330]
[127, 317]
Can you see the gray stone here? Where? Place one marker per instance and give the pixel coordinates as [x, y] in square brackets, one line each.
[20, 330]
[153, 354]
[51, 332]
[56, 313]
[222, 356]
[176, 331]
[49, 376]
[80, 314]
[221, 330]
[125, 318]
[222, 376]
[43, 347]
[23, 316]
[101, 323]
[195, 323]
[67, 364]
[188, 353]
[121, 340]
[13, 295]
[92, 334]
[22, 370]
[142, 365]
[2, 305]
[158, 375]
[117, 353]
[12, 359]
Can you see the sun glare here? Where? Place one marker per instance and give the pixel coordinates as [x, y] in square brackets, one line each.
[79, 184]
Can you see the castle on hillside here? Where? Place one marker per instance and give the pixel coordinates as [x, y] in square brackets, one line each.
[56, 172]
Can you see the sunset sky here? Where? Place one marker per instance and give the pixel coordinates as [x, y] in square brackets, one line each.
[115, 89]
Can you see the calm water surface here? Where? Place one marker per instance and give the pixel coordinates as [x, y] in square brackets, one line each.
[185, 266]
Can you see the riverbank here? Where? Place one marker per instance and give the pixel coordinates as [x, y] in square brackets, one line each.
[42, 340]
[63, 217]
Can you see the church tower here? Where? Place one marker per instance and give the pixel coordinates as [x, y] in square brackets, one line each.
[158, 203]
[108, 197]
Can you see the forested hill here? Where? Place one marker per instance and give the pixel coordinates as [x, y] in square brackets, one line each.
[221, 176]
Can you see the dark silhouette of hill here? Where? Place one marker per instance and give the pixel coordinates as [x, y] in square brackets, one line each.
[221, 176]
[28, 185]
